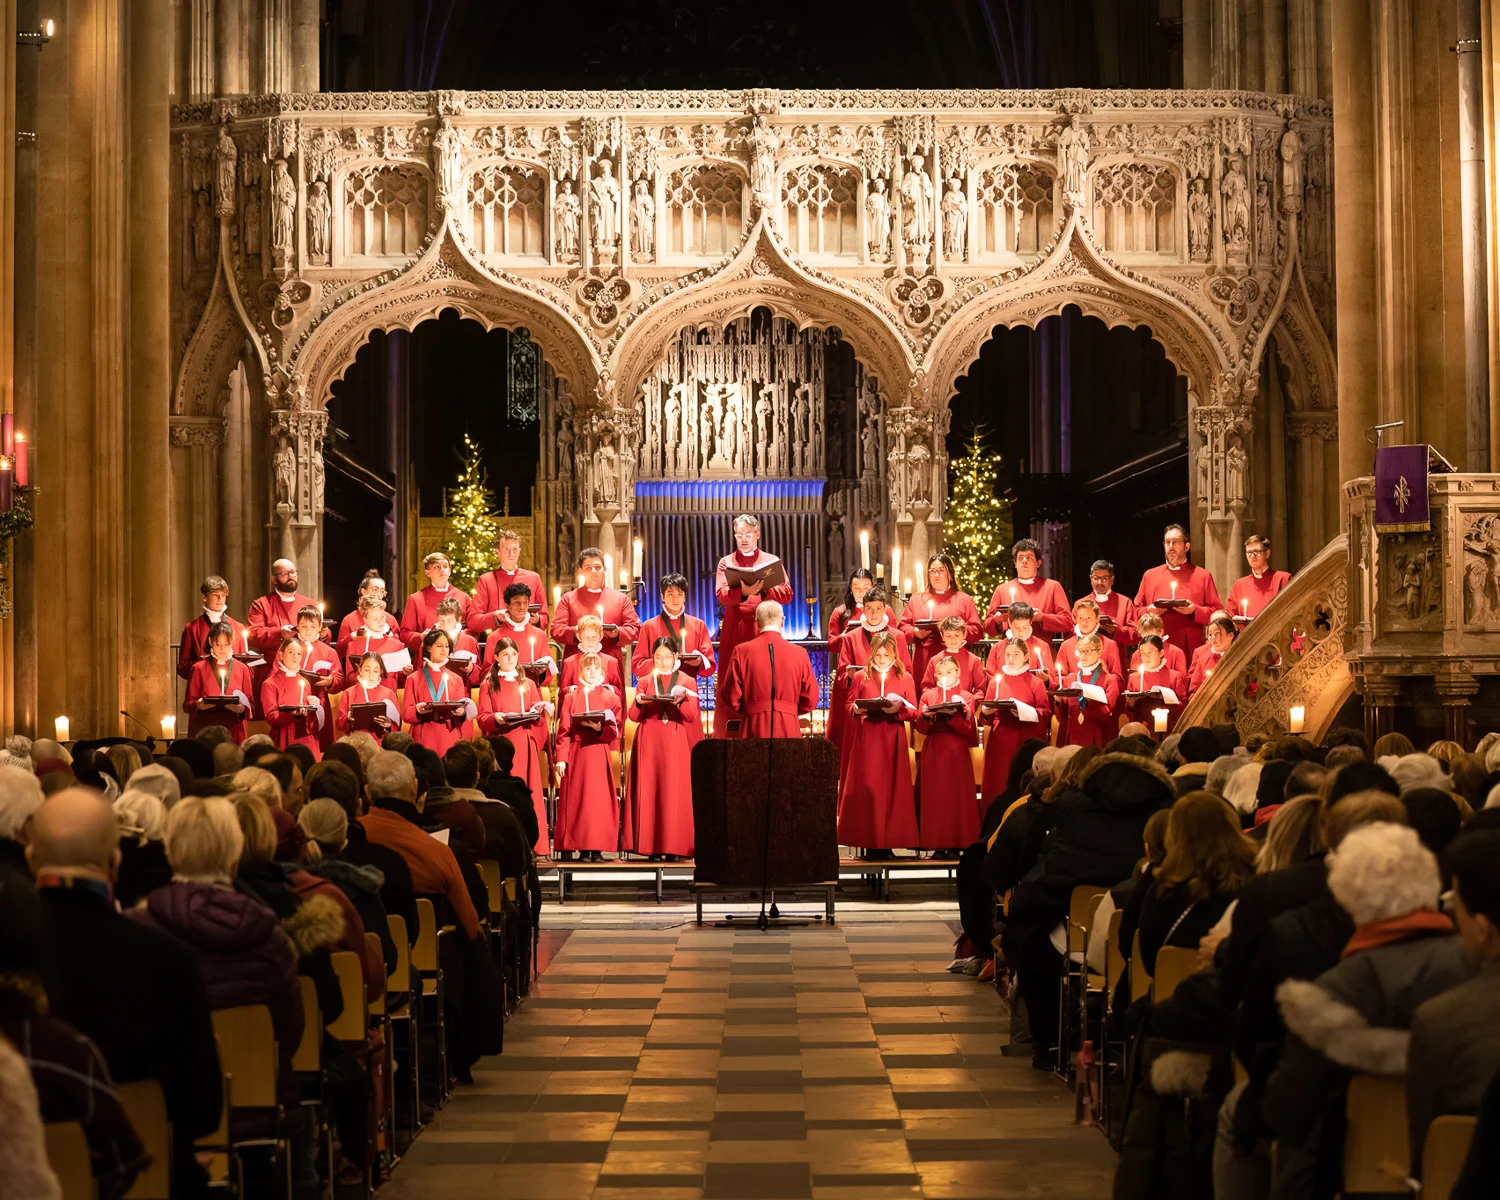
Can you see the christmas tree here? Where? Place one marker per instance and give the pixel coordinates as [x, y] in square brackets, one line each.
[976, 527]
[471, 542]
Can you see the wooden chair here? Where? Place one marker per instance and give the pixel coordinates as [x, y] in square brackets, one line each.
[424, 961]
[402, 1012]
[215, 1145]
[385, 1128]
[309, 1056]
[1375, 1143]
[146, 1106]
[1173, 965]
[354, 1022]
[1443, 1152]
[68, 1155]
[494, 884]
[976, 760]
[1081, 907]
[248, 1053]
[1140, 981]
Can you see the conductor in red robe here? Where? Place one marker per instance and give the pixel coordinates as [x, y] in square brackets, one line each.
[1187, 593]
[489, 607]
[1251, 593]
[194, 643]
[595, 597]
[739, 602]
[747, 685]
[1116, 612]
[1045, 596]
[695, 647]
[420, 613]
[220, 687]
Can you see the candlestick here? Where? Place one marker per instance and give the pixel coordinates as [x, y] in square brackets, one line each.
[60, 728]
[23, 468]
[864, 549]
[168, 728]
[1298, 716]
[1159, 720]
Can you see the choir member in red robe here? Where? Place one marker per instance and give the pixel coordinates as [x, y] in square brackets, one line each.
[850, 611]
[320, 667]
[273, 617]
[464, 661]
[369, 686]
[376, 635]
[588, 799]
[220, 674]
[854, 652]
[420, 613]
[1206, 657]
[1187, 593]
[431, 684]
[1084, 720]
[971, 676]
[532, 642]
[769, 684]
[659, 795]
[1146, 681]
[695, 646]
[506, 691]
[490, 605]
[371, 585]
[877, 803]
[1085, 622]
[1116, 612]
[739, 602]
[588, 637]
[1150, 624]
[948, 812]
[1014, 679]
[1038, 649]
[288, 702]
[1045, 596]
[194, 644]
[925, 612]
[1251, 593]
[594, 597]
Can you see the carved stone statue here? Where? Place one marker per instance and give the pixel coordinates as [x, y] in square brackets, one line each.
[707, 431]
[448, 158]
[763, 144]
[1200, 220]
[1236, 193]
[835, 544]
[285, 464]
[919, 475]
[801, 423]
[643, 226]
[730, 436]
[318, 211]
[1265, 233]
[569, 211]
[565, 448]
[252, 216]
[878, 220]
[316, 472]
[765, 431]
[870, 445]
[916, 206]
[671, 414]
[283, 213]
[1291, 171]
[604, 207]
[1205, 475]
[1235, 462]
[955, 221]
[606, 485]
[1073, 157]
[203, 229]
[226, 154]
[565, 547]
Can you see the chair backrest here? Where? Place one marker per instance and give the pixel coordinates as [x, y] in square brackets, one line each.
[976, 763]
[1375, 1144]
[911, 761]
[1114, 961]
[247, 1051]
[1173, 965]
[377, 954]
[146, 1106]
[630, 728]
[493, 879]
[1140, 979]
[1443, 1153]
[400, 978]
[68, 1155]
[354, 1021]
[309, 1055]
[424, 958]
[1080, 911]
[215, 1145]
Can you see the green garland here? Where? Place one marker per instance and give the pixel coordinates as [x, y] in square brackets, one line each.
[17, 520]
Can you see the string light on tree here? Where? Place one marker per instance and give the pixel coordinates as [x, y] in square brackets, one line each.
[977, 525]
[471, 543]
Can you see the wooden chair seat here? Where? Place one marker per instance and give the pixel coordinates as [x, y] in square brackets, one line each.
[309, 1055]
[68, 1155]
[1443, 1152]
[1173, 965]
[146, 1106]
[1376, 1159]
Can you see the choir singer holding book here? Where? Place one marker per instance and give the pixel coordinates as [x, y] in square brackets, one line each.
[743, 580]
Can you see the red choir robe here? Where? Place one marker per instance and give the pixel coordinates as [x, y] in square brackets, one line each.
[1183, 626]
[738, 622]
[877, 802]
[436, 732]
[691, 634]
[322, 660]
[1109, 655]
[267, 621]
[1007, 730]
[530, 639]
[1143, 681]
[515, 696]
[971, 674]
[463, 644]
[1053, 612]
[1038, 657]
[659, 795]
[570, 669]
[839, 621]
[291, 728]
[939, 605]
[588, 799]
[583, 602]
[1172, 657]
[1248, 595]
[489, 599]
[358, 693]
[420, 613]
[746, 689]
[1101, 722]
[948, 811]
[1205, 663]
[1119, 609]
[854, 652]
[205, 681]
[351, 624]
[194, 645]
[362, 643]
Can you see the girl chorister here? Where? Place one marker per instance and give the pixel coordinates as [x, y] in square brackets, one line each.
[220, 686]
[430, 691]
[369, 687]
[877, 808]
[1016, 680]
[659, 798]
[289, 703]
[376, 635]
[1088, 720]
[845, 616]
[1217, 639]
[1151, 674]
[948, 814]
[506, 691]
[855, 644]
[588, 727]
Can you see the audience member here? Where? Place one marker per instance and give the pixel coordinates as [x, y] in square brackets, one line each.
[1388, 744]
[1129, 894]
[1338, 756]
[143, 857]
[1434, 813]
[1447, 753]
[1197, 748]
[1242, 789]
[1416, 771]
[228, 758]
[20, 798]
[196, 753]
[503, 784]
[441, 808]
[327, 828]
[160, 781]
[1221, 770]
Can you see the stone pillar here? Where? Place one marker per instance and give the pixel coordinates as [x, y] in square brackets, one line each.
[231, 57]
[1310, 430]
[304, 47]
[196, 551]
[1455, 693]
[1380, 696]
[1222, 474]
[1197, 41]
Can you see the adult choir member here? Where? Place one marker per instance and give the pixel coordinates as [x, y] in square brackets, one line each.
[490, 606]
[589, 637]
[1085, 622]
[371, 585]
[925, 612]
[695, 648]
[369, 686]
[659, 795]
[1146, 681]
[464, 660]
[376, 635]
[1182, 592]
[505, 696]
[194, 643]
[431, 690]
[588, 802]
[1019, 623]
[1045, 596]
[1206, 657]
[850, 611]
[740, 601]
[273, 617]
[517, 624]
[769, 683]
[1150, 624]
[948, 814]
[1014, 679]
[288, 702]
[1116, 612]
[320, 667]
[420, 613]
[877, 806]
[955, 635]
[1087, 720]
[220, 687]
[1251, 593]
[594, 597]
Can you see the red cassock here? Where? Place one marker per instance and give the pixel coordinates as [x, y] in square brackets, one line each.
[291, 728]
[877, 803]
[322, 660]
[1248, 595]
[531, 640]
[436, 732]
[489, 598]
[1144, 681]
[1007, 730]
[1101, 722]
[659, 795]
[206, 680]
[358, 693]
[1205, 663]
[1172, 658]
[937, 605]
[746, 688]
[268, 619]
[854, 652]
[839, 621]
[691, 634]
[1109, 655]
[738, 623]
[420, 613]
[194, 644]
[588, 802]
[516, 696]
[1046, 597]
[348, 627]
[463, 644]
[1185, 627]
[583, 602]
[971, 674]
[948, 812]
[361, 644]
[1122, 611]
[569, 678]
[1038, 656]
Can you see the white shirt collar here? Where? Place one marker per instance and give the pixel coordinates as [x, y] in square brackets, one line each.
[1179, 567]
[1103, 596]
[1253, 574]
[509, 675]
[884, 621]
[1007, 669]
[215, 617]
[518, 628]
[1026, 582]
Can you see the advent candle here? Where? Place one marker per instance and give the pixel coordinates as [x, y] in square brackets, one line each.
[639, 549]
[5, 485]
[864, 549]
[60, 729]
[23, 470]
[168, 728]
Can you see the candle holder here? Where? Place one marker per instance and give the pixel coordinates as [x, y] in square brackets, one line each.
[812, 622]
[637, 585]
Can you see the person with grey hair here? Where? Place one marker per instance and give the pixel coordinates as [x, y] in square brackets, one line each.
[1416, 770]
[1220, 771]
[742, 580]
[159, 781]
[20, 797]
[770, 682]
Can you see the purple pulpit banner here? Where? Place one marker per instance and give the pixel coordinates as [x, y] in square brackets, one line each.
[1401, 489]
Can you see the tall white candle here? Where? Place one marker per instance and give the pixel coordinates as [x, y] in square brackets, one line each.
[864, 549]
[895, 563]
[639, 548]
[60, 729]
[609, 568]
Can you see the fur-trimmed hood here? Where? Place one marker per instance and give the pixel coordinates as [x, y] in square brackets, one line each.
[348, 874]
[1121, 782]
[318, 924]
[1181, 1073]
[1339, 1032]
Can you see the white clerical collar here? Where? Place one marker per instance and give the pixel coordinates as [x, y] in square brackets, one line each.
[676, 666]
[1026, 582]
[226, 665]
[286, 597]
[518, 626]
[1103, 596]
[1170, 567]
[676, 616]
[292, 674]
[440, 590]
[593, 591]
[1257, 575]
[452, 633]
[1078, 633]
[598, 649]
[1007, 669]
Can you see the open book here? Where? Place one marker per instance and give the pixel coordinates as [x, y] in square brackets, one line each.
[772, 572]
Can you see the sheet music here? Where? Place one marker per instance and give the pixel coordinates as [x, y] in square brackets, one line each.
[1024, 712]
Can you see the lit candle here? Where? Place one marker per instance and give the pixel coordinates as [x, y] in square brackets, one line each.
[322, 611]
[1059, 674]
[303, 688]
[1012, 595]
[609, 568]
[246, 632]
[639, 549]
[1244, 607]
[929, 610]
[1159, 719]
[879, 573]
[906, 586]
[1037, 650]
[556, 594]
[23, 472]
[1174, 589]
[1142, 686]
[223, 680]
[1298, 717]
[60, 728]
[168, 728]
[625, 577]
[601, 614]
[864, 549]
[531, 648]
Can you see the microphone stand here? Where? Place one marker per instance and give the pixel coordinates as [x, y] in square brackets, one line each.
[150, 737]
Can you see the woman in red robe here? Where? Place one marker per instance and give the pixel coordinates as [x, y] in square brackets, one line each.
[369, 687]
[433, 683]
[948, 813]
[922, 618]
[1083, 720]
[507, 691]
[379, 637]
[1151, 674]
[877, 806]
[854, 652]
[588, 800]
[285, 689]
[1015, 680]
[659, 798]
[971, 676]
[220, 674]
[1218, 637]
